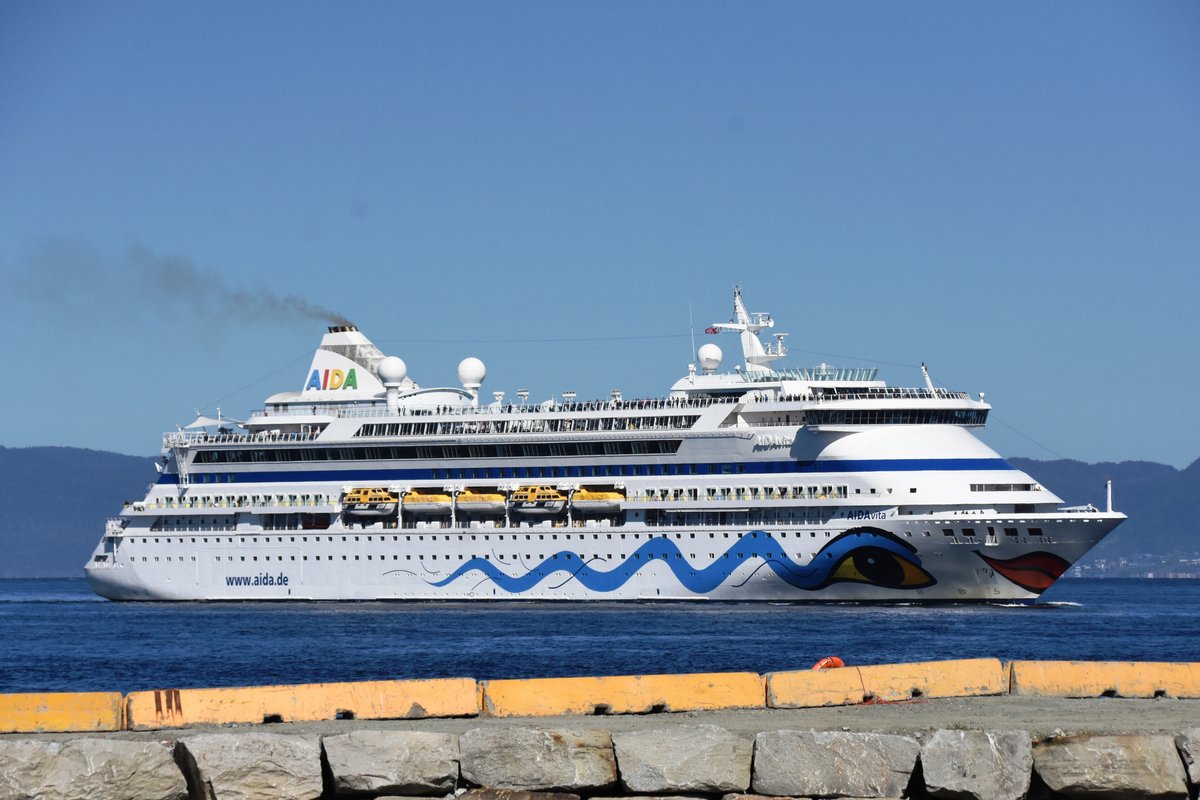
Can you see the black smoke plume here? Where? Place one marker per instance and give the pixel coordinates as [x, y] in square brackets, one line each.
[69, 274]
[183, 281]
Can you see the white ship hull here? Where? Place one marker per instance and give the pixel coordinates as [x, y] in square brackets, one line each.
[875, 563]
[759, 485]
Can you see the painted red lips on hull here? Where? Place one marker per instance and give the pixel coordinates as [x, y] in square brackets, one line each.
[1033, 572]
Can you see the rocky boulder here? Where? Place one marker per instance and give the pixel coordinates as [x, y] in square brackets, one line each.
[974, 765]
[392, 762]
[833, 764]
[1188, 743]
[253, 766]
[699, 758]
[510, 794]
[534, 759]
[1111, 767]
[89, 769]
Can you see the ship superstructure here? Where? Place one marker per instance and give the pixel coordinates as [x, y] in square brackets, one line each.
[759, 483]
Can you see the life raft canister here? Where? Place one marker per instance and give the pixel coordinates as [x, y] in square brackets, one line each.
[829, 662]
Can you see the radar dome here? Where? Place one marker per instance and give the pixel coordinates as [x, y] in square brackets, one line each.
[709, 356]
[392, 371]
[471, 372]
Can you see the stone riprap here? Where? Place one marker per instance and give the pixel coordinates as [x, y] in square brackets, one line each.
[1112, 766]
[392, 762]
[253, 766]
[693, 758]
[685, 762]
[89, 769]
[833, 763]
[977, 765]
[535, 759]
[1188, 743]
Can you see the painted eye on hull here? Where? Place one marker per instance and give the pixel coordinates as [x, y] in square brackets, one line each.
[879, 567]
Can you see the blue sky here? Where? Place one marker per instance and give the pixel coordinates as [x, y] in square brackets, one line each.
[1006, 191]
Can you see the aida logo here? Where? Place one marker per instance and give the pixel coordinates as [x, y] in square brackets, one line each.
[331, 379]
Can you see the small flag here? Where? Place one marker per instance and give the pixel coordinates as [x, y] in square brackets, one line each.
[711, 330]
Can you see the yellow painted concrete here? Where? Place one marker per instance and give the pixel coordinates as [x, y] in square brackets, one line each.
[61, 712]
[627, 694]
[416, 699]
[1097, 678]
[886, 682]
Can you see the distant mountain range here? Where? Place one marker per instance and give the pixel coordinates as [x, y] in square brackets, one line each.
[55, 500]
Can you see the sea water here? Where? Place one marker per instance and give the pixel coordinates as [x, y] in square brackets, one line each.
[55, 635]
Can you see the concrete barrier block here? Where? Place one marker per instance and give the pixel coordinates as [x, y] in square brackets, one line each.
[416, 699]
[849, 685]
[61, 712]
[813, 688]
[629, 694]
[1101, 678]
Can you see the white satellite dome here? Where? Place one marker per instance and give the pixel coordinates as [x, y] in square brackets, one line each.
[392, 371]
[471, 372]
[709, 356]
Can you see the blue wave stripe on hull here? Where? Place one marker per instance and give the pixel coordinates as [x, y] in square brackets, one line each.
[814, 575]
[683, 470]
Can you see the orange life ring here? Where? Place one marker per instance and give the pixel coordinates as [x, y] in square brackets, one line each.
[829, 662]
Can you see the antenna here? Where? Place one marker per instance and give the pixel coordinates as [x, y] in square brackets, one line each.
[925, 375]
[691, 325]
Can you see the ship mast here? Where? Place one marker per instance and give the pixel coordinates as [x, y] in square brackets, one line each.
[756, 357]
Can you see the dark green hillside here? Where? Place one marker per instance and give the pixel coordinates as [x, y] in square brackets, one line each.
[55, 500]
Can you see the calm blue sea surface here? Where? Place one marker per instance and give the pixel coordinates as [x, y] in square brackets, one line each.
[55, 635]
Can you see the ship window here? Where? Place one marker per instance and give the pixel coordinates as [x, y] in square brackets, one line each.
[968, 531]
[1035, 531]
[947, 532]
[1010, 531]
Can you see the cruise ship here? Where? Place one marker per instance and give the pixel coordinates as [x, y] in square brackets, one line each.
[756, 483]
